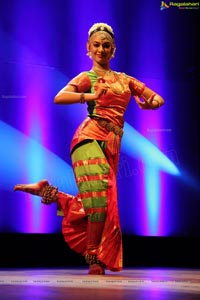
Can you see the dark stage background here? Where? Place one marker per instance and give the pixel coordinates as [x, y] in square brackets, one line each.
[43, 45]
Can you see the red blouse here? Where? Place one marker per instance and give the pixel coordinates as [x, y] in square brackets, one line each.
[111, 106]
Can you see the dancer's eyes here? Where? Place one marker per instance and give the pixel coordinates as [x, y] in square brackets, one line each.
[106, 45]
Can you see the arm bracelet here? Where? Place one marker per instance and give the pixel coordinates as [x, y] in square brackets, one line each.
[82, 98]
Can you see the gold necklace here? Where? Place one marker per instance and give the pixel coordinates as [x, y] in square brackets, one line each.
[112, 86]
[96, 70]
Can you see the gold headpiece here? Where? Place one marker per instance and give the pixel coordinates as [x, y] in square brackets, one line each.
[101, 27]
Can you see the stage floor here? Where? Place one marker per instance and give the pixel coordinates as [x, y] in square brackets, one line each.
[71, 284]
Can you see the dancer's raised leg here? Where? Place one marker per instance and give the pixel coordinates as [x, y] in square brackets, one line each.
[41, 188]
[37, 188]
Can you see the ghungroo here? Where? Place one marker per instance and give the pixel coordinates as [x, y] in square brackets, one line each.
[92, 259]
[50, 194]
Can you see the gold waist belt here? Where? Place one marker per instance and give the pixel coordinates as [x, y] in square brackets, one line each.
[109, 126]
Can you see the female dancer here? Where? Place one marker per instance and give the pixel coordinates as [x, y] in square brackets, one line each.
[91, 223]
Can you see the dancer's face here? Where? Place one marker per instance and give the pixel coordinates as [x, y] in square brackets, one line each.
[100, 48]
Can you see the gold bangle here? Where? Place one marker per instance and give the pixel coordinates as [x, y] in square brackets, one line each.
[158, 104]
[82, 98]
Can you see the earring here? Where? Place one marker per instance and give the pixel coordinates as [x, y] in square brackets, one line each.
[113, 55]
[89, 54]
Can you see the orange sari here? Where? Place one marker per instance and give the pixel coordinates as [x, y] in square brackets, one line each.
[89, 167]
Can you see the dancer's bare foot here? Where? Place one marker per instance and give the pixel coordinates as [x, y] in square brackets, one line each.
[96, 269]
[33, 188]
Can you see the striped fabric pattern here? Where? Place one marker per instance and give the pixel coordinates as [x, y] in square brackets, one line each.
[92, 180]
